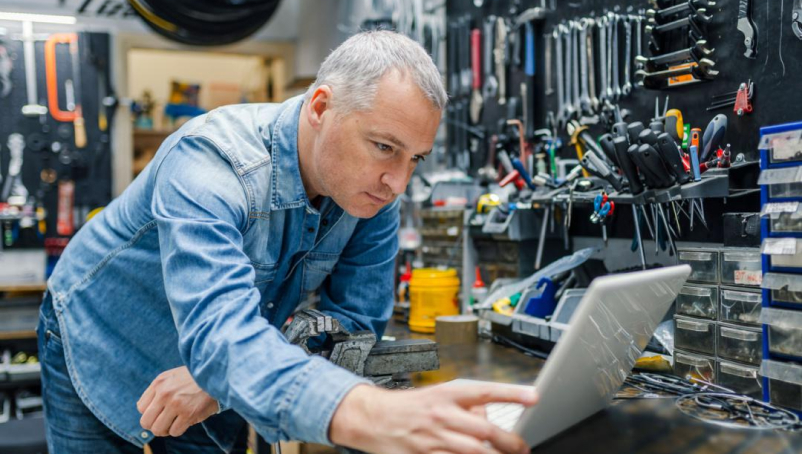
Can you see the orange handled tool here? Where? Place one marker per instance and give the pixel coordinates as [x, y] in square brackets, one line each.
[51, 73]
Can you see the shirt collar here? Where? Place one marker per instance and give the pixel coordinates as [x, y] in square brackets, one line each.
[287, 187]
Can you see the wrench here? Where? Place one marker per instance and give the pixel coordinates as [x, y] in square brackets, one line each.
[616, 67]
[639, 38]
[569, 107]
[584, 98]
[549, 86]
[594, 101]
[603, 57]
[610, 25]
[575, 58]
[558, 52]
[627, 88]
[490, 87]
[499, 53]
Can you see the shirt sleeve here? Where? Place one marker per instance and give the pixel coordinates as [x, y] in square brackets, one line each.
[233, 353]
[359, 292]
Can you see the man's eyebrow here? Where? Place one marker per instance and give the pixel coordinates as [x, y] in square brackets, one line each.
[390, 138]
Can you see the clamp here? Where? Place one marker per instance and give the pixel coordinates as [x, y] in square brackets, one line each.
[383, 362]
[796, 18]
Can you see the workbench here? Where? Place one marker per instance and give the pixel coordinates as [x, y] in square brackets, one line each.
[627, 426]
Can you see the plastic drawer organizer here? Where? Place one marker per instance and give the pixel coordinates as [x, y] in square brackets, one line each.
[784, 331]
[738, 343]
[784, 288]
[740, 378]
[695, 335]
[740, 306]
[703, 263]
[785, 253]
[741, 267]
[781, 232]
[785, 383]
[694, 365]
[698, 300]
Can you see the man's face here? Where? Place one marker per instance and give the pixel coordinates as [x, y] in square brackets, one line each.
[364, 159]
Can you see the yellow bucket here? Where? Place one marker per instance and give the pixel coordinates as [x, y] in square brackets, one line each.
[432, 293]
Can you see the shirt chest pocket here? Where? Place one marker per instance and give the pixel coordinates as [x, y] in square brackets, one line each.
[317, 267]
[264, 274]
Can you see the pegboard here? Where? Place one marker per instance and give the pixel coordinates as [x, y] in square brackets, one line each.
[89, 167]
[775, 73]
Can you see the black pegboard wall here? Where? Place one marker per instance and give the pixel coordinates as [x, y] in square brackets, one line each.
[775, 73]
[89, 167]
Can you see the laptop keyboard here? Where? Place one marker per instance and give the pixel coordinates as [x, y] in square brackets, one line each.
[504, 415]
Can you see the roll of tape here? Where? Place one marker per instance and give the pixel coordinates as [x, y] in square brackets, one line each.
[456, 329]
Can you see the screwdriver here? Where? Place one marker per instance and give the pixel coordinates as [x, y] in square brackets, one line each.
[606, 144]
[655, 165]
[634, 130]
[694, 152]
[627, 165]
[670, 153]
[713, 136]
[674, 125]
[591, 161]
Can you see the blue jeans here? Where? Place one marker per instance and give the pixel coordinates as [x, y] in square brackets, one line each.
[73, 428]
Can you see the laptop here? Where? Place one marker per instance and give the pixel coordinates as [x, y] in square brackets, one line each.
[607, 334]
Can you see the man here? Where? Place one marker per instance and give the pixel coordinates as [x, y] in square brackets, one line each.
[187, 277]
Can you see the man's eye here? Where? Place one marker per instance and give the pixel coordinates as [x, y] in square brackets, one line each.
[383, 147]
[418, 158]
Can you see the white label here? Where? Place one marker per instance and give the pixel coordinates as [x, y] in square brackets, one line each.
[748, 277]
[780, 246]
[453, 231]
[780, 207]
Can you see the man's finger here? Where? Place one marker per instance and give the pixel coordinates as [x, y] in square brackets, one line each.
[454, 442]
[483, 430]
[146, 398]
[149, 416]
[180, 425]
[472, 395]
[162, 425]
[480, 411]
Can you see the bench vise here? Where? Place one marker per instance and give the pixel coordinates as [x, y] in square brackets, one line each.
[386, 363]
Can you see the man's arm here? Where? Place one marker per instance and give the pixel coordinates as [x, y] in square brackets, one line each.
[359, 292]
[232, 352]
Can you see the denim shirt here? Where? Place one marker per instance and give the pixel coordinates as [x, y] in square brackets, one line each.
[200, 262]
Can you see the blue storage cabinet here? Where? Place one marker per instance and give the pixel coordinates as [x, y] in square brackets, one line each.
[781, 232]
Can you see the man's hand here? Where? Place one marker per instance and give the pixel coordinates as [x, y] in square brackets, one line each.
[443, 419]
[173, 402]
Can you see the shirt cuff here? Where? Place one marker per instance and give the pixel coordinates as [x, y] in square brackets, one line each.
[313, 397]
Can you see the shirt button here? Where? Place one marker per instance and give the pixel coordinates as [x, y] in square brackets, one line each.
[311, 230]
[270, 305]
[144, 435]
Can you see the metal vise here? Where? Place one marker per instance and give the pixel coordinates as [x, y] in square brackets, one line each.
[386, 363]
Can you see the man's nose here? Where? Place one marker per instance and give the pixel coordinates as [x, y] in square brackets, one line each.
[396, 179]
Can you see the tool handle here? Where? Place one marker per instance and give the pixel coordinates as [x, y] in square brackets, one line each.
[476, 58]
[634, 130]
[694, 152]
[670, 153]
[713, 136]
[607, 146]
[51, 75]
[529, 50]
[648, 136]
[627, 165]
[80, 130]
[604, 170]
[649, 178]
[654, 166]
[490, 26]
[674, 125]
[620, 129]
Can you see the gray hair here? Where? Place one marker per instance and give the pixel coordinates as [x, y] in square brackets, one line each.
[354, 69]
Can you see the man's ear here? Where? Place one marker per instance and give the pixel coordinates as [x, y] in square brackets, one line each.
[319, 105]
